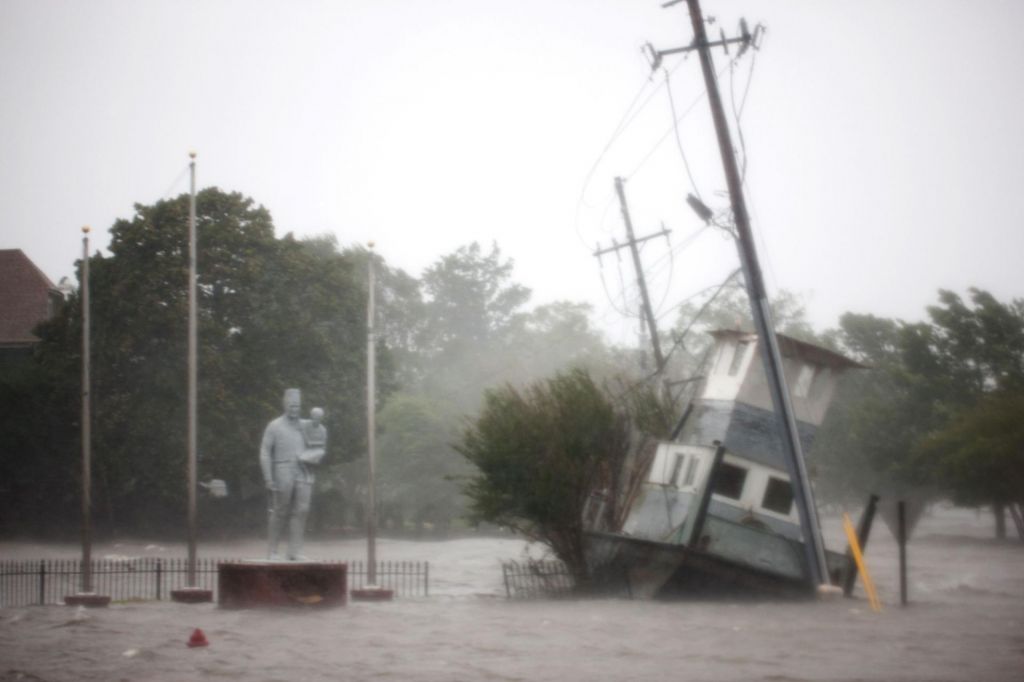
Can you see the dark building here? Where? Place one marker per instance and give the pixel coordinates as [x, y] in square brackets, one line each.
[27, 297]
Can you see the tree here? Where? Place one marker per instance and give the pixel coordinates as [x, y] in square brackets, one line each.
[540, 453]
[470, 299]
[904, 427]
[980, 454]
[977, 352]
[877, 416]
[418, 463]
[273, 313]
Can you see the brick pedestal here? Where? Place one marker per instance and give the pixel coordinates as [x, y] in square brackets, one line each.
[90, 599]
[371, 593]
[192, 595]
[254, 584]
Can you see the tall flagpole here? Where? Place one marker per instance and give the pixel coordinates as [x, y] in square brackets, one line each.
[372, 591]
[86, 596]
[86, 423]
[192, 593]
[192, 372]
[371, 427]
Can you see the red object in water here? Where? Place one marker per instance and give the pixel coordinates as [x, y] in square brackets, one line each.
[198, 639]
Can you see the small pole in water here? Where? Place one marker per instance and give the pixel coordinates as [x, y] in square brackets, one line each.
[901, 532]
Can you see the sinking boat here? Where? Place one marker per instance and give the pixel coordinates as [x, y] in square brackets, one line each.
[714, 508]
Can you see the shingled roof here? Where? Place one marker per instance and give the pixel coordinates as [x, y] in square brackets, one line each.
[25, 296]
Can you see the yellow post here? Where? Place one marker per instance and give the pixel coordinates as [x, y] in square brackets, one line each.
[869, 585]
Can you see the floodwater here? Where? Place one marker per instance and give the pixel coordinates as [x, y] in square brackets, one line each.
[965, 622]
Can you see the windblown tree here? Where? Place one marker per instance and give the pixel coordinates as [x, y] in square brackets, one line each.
[976, 350]
[980, 455]
[906, 426]
[468, 330]
[540, 452]
[273, 313]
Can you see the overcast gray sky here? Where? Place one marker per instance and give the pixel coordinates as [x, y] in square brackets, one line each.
[884, 138]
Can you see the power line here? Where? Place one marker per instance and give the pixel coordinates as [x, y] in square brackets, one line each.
[679, 338]
[679, 140]
[661, 140]
[627, 119]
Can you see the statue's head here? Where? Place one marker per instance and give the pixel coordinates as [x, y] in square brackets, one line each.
[316, 415]
[292, 403]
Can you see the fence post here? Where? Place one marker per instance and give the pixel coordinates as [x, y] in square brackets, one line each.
[159, 576]
[504, 572]
[42, 582]
[426, 579]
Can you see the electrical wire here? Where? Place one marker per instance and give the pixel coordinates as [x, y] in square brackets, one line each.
[679, 140]
[611, 301]
[669, 131]
[678, 339]
[624, 122]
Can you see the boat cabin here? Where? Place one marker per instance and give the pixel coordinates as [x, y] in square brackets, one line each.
[752, 498]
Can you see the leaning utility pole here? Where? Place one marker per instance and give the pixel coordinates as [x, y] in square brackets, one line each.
[767, 341]
[631, 242]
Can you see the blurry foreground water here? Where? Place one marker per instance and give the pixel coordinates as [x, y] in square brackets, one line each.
[965, 622]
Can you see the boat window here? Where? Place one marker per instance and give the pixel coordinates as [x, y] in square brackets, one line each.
[676, 468]
[737, 357]
[778, 496]
[691, 471]
[730, 480]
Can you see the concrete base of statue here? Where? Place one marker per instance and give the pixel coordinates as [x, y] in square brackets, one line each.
[372, 593]
[89, 599]
[192, 595]
[255, 584]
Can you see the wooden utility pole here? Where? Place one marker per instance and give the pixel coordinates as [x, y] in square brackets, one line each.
[632, 242]
[760, 309]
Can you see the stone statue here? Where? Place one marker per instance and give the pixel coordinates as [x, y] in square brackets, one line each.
[287, 455]
[314, 434]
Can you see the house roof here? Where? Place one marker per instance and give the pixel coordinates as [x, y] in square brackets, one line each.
[790, 347]
[24, 297]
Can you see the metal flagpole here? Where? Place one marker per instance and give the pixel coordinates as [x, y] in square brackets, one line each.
[86, 424]
[192, 373]
[371, 400]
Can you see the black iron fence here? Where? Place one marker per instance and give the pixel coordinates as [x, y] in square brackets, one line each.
[533, 579]
[48, 581]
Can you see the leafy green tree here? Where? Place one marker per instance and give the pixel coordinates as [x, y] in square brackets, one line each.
[903, 427]
[980, 453]
[470, 298]
[418, 463]
[540, 452]
[273, 313]
[876, 418]
[976, 350]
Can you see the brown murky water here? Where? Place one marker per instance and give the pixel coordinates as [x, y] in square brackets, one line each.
[966, 622]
